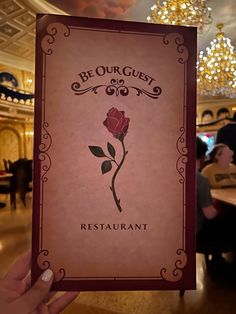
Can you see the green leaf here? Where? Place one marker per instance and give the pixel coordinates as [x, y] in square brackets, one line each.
[106, 166]
[111, 150]
[97, 151]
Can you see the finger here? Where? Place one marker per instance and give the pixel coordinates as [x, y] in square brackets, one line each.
[35, 295]
[61, 303]
[14, 288]
[49, 296]
[20, 268]
[27, 282]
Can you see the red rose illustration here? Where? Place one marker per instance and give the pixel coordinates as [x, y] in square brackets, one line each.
[116, 123]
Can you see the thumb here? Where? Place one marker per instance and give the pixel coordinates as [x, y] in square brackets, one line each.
[36, 294]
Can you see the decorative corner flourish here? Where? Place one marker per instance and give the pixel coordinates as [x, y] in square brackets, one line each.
[44, 263]
[176, 273]
[179, 41]
[53, 30]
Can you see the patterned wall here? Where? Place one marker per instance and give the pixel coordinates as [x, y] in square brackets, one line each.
[10, 144]
[16, 117]
[16, 141]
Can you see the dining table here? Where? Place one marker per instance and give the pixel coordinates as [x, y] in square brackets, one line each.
[5, 176]
[225, 195]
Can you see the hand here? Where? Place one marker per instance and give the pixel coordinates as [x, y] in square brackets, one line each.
[16, 296]
[218, 206]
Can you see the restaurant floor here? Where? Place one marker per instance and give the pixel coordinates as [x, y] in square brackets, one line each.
[215, 291]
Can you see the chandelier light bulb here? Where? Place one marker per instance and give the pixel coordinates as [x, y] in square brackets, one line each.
[181, 12]
[219, 59]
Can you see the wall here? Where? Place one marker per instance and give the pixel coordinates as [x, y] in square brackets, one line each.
[16, 117]
[212, 109]
[16, 140]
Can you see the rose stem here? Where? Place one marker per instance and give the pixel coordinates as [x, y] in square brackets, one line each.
[112, 160]
[114, 177]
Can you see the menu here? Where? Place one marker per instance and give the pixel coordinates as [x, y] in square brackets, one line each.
[114, 154]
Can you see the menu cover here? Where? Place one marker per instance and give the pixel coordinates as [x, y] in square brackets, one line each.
[114, 154]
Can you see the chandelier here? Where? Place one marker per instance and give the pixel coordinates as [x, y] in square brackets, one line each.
[181, 12]
[217, 67]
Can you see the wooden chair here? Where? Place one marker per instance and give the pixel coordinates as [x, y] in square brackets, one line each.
[213, 248]
[216, 238]
[6, 167]
[22, 177]
[19, 182]
[7, 189]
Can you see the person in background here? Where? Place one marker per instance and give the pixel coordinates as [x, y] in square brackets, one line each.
[211, 228]
[16, 295]
[205, 208]
[227, 135]
[220, 171]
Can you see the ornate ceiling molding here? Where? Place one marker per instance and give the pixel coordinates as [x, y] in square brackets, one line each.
[17, 31]
[42, 6]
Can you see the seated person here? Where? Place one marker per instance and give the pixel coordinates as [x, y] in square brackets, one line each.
[205, 207]
[220, 171]
[212, 229]
[215, 228]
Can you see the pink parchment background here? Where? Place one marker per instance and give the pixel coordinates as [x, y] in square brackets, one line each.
[148, 184]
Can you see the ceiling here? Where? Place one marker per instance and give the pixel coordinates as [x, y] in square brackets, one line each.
[17, 22]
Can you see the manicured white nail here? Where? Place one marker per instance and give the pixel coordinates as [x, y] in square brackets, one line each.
[47, 275]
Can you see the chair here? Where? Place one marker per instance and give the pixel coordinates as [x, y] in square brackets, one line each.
[210, 247]
[22, 176]
[6, 167]
[6, 189]
[25, 179]
[19, 182]
[215, 238]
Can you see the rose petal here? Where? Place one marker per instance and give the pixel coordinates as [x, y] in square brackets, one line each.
[116, 113]
[119, 126]
[113, 124]
[112, 111]
[116, 122]
[105, 122]
[125, 126]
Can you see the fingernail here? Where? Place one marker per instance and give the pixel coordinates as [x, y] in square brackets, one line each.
[47, 275]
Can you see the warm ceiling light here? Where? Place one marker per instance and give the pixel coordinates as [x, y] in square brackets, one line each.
[181, 12]
[217, 67]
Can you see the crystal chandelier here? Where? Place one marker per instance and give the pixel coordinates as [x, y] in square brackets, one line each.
[217, 68]
[181, 12]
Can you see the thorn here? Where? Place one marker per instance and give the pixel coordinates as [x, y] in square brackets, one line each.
[110, 188]
[126, 152]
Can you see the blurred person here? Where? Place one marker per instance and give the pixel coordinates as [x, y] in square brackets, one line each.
[16, 295]
[227, 135]
[205, 208]
[212, 228]
[219, 169]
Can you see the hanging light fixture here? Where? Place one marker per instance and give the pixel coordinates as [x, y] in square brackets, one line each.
[217, 67]
[181, 12]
